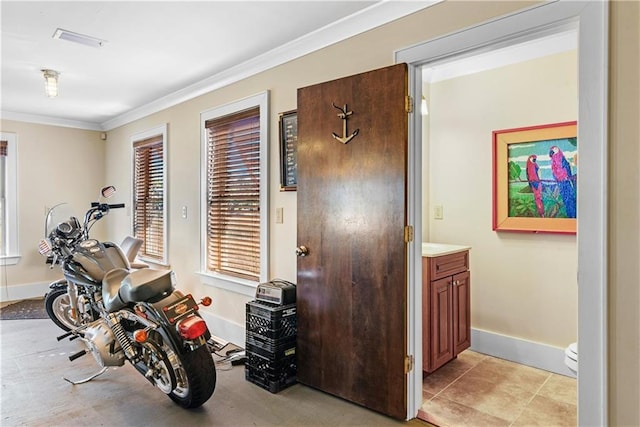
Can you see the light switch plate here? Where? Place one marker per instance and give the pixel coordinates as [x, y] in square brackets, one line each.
[438, 212]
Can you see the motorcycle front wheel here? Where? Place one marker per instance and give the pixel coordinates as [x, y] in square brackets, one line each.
[195, 374]
[58, 307]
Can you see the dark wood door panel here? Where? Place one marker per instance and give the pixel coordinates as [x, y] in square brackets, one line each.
[351, 292]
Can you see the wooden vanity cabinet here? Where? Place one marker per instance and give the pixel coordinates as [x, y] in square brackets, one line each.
[446, 316]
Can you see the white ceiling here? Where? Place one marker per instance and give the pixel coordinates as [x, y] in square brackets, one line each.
[160, 53]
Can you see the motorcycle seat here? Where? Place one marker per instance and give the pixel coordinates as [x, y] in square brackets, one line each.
[143, 285]
[121, 286]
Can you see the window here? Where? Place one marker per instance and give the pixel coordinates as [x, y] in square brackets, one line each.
[8, 199]
[235, 192]
[149, 201]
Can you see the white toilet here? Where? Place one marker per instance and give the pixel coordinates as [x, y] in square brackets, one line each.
[571, 357]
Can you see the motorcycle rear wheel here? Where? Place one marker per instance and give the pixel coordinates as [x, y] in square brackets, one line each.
[196, 377]
[58, 307]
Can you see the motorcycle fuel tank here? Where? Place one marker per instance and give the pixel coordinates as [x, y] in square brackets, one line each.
[97, 258]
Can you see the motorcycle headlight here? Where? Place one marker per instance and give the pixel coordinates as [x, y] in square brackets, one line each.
[45, 248]
[69, 229]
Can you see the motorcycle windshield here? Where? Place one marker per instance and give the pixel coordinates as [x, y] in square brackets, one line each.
[57, 214]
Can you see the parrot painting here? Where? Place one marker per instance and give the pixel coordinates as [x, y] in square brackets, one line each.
[562, 174]
[534, 182]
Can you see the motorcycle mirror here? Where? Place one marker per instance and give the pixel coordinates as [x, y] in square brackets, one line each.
[45, 248]
[108, 191]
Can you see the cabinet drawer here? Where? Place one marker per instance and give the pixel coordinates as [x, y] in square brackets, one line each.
[448, 265]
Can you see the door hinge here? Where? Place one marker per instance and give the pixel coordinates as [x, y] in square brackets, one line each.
[408, 363]
[408, 104]
[408, 233]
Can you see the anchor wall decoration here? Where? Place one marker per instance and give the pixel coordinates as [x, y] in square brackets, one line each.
[343, 115]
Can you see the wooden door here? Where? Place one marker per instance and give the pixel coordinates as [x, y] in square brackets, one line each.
[441, 322]
[352, 291]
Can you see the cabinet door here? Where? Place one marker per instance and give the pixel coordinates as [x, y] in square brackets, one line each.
[441, 325]
[461, 311]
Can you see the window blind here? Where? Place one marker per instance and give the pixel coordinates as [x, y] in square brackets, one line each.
[148, 197]
[233, 194]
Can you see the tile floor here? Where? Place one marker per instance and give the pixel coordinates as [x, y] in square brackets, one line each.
[480, 390]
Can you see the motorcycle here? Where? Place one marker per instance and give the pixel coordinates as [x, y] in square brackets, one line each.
[122, 314]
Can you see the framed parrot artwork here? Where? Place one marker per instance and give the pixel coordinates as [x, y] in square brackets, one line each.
[535, 178]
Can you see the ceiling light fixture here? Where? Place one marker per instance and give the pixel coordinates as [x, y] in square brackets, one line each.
[50, 82]
[78, 38]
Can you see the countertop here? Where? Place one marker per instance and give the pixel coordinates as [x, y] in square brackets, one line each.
[431, 250]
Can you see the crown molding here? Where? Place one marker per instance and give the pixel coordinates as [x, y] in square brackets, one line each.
[49, 120]
[374, 16]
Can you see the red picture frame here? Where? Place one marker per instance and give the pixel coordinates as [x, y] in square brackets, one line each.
[535, 178]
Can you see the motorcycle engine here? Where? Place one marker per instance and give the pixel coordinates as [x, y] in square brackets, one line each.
[100, 340]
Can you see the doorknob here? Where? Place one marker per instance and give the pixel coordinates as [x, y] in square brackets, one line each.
[302, 251]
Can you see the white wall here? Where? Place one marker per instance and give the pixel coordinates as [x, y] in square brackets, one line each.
[523, 285]
[54, 165]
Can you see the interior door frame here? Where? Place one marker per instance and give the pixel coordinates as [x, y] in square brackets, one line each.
[591, 20]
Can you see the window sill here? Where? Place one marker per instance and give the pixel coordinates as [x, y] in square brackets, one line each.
[239, 286]
[153, 262]
[9, 259]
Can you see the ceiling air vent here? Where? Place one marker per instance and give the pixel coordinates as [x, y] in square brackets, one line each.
[78, 38]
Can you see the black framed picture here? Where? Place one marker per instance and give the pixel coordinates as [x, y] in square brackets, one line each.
[288, 151]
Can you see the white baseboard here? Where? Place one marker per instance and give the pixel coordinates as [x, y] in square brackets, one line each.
[521, 351]
[537, 355]
[24, 291]
[225, 330]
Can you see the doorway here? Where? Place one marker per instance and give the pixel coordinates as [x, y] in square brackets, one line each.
[591, 21]
[531, 83]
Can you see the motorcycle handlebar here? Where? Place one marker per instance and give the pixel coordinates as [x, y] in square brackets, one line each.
[110, 206]
[97, 211]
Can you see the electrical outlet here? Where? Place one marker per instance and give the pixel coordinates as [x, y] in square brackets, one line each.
[279, 215]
